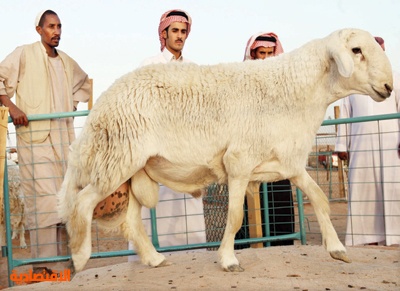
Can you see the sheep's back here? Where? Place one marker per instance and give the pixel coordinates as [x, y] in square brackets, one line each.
[178, 110]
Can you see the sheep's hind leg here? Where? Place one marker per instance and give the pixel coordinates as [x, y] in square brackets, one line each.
[134, 231]
[320, 203]
[21, 235]
[229, 262]
[79, 227]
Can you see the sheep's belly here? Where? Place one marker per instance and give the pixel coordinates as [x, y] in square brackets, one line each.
[194, 176]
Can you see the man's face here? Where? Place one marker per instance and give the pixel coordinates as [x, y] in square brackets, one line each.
[175, 37]
[51, 31]
[262, 52]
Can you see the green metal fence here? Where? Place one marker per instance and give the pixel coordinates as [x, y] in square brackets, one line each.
[111, 245]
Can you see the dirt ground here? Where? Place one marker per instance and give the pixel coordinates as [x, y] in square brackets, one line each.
[298, 267]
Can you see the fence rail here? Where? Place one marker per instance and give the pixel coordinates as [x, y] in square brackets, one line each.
[322, 166]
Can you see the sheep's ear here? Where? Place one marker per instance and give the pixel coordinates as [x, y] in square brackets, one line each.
[343, 61]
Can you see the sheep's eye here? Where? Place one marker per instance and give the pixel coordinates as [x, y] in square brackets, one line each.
[356, 50]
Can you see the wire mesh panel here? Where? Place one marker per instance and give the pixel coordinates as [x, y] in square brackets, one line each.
[368, 180]
[323, 164]
[372, 149]
[216, 212]
[45, 236]
[39, 168]
[33, 178]
[276, 211]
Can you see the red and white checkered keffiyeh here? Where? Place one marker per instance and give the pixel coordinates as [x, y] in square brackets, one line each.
[252, 44]
[166, 21]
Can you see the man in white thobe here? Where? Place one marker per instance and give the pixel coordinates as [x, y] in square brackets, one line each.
[374, 168]
[43, 80]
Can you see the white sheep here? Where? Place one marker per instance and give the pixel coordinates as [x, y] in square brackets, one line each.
[187, 126]
[17, 207]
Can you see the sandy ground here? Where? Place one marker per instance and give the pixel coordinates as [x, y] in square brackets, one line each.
[277, 268]
[298, 267]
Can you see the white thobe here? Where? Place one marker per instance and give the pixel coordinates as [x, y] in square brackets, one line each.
[374, 169]
[43, 162]
[163, 58]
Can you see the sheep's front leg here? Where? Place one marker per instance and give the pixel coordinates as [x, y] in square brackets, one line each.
[320, 203]
[79, 226]
[134, 231]
[237, 190]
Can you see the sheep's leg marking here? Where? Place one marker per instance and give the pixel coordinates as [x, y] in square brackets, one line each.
[237, 190]
[79, 226]
[134, 231]
[320, 203]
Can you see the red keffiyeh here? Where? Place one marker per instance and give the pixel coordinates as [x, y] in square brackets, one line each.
[166, 21]
[266, 39]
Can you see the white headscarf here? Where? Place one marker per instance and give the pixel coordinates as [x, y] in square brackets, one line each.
[40, 14]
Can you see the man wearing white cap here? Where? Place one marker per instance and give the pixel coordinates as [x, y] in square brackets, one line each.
[43, 80]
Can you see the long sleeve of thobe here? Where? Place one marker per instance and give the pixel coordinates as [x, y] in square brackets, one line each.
[82, 88]
[343, 139]
[10, 70]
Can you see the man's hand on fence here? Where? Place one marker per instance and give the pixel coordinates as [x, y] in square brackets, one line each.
[18, 117]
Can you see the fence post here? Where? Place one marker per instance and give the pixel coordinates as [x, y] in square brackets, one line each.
[254, 213]
[342, 190]
[3, 138]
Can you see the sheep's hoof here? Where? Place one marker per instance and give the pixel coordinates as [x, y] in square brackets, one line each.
[71, 266]
[163, 264]
[72, 269]
[234, 268]
[340, 255]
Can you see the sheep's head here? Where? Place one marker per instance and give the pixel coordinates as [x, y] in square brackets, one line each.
[362, 65]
